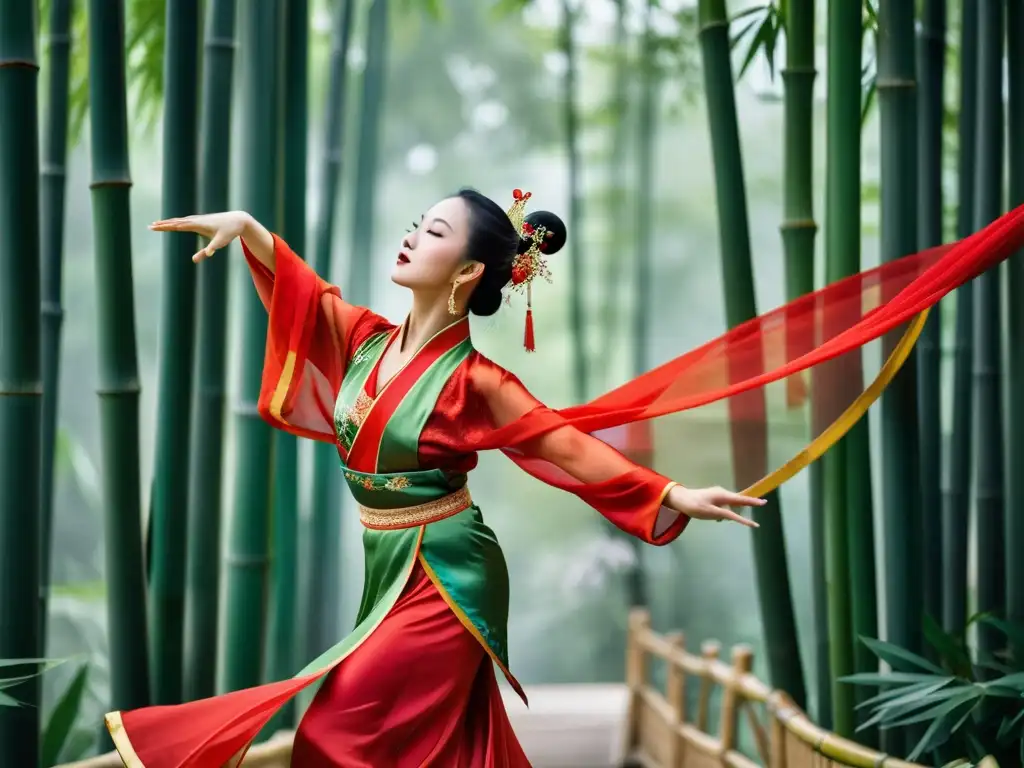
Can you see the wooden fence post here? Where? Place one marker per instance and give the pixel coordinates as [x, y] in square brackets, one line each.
[709, 651]
[636, 674]
[675, 693]
[742, 662]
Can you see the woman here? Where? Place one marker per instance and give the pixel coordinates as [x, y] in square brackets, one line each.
[408, 406]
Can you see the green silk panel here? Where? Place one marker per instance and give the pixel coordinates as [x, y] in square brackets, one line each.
[359, 369]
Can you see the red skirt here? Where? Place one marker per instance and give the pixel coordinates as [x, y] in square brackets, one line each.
[419, 691]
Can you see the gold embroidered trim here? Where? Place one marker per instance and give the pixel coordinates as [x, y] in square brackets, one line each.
[420, 514]
[123, 744]
[399, 483]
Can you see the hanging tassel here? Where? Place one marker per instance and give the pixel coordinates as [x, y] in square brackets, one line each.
[528, 340]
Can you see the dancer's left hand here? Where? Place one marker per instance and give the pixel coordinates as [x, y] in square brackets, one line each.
[711, 503]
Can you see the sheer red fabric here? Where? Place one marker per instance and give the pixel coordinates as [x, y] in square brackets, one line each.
[312, 335]
[729, 378]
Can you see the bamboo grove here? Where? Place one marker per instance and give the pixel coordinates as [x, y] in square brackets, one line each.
[948, 460]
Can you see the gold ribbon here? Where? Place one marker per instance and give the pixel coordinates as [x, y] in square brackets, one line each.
[856, 410]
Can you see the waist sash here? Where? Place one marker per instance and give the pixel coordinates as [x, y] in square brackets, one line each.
[407, 500]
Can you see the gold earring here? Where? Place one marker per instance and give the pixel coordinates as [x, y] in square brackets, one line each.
[452, 310]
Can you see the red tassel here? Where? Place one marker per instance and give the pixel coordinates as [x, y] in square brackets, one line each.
[528, 341]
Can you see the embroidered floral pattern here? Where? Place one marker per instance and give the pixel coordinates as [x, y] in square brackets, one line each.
[355, 414]
[397, 483]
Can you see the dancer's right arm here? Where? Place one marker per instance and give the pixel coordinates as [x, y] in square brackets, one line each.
[312, 332]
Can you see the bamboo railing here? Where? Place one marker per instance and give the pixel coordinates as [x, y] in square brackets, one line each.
[661, 734]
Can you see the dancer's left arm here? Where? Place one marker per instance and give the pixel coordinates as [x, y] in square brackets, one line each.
[637, 500]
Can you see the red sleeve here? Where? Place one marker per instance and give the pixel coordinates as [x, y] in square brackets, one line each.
[629, 496]
[311, 334]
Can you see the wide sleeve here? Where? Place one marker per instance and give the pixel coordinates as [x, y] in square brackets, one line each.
[311, 334]
[628, 495]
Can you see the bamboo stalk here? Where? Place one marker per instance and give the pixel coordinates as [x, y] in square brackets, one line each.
[577, 320]
[53, 180]
[249, 539]
[931, 65]
[799, 231]
[205, 509]
[118, 364]
[282, 656]
[1015, 327]
[21, 386]
[646, 149]
[749, 443]
[169, 503]
[989, 497]
[956, 493]
[617, 213]
[323, 618]
[849, 529]
[897, 102]
[371, 107]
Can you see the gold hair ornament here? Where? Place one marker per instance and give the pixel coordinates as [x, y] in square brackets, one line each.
[529, 264]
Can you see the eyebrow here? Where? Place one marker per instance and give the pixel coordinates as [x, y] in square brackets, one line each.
[437, 219]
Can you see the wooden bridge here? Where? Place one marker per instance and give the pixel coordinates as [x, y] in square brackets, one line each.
[738, 722]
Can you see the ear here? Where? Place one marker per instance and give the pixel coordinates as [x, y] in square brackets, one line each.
[470, 271]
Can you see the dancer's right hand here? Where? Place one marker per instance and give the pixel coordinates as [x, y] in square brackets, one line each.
[219, 228]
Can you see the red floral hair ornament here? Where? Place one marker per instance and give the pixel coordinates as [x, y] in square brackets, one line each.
[541, 234]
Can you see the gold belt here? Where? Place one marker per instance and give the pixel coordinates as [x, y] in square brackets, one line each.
[419, 514]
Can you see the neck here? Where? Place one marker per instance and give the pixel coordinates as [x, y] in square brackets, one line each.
[428, 317]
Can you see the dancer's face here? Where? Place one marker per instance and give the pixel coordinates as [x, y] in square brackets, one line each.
[433, 254]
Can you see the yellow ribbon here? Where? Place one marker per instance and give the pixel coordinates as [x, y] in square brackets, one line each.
[838, 428]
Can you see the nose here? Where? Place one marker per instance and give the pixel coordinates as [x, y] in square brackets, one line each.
[408, 240]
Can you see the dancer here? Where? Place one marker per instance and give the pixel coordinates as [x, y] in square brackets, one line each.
[408, 407]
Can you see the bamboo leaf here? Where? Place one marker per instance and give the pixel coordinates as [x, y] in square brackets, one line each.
[1014, 632]
[45, 663]
[11, 682]
[951, 649]
[7, 701]
[63, 717]
[1013, 682]
[975, 749]
[1009, 725]
[890, 695]
[78, 745]
[940, 709]
[939, 731]
[888, 678]
[896, 657]
[870, 90]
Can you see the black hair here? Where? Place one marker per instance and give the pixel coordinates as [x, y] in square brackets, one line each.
[494, 242]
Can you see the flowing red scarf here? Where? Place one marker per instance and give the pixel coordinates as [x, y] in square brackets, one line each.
[729, 378]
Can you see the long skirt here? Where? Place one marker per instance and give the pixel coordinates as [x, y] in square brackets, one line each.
[419, 690]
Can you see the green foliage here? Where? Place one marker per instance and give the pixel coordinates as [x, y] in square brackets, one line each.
[763, 25]
[974, 701]
[21, 676]
[60, 738]
[144, 48]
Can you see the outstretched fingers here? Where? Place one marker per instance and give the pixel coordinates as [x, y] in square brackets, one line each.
[721, 513]
[181, 224]
[219, 241]
[728, 498]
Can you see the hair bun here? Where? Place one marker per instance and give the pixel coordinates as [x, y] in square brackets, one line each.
[555, 235]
